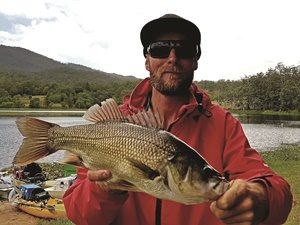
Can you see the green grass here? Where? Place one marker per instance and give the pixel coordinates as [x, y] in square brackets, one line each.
[266, 112]
[55, 222]
[43, 109]
[285, 161]
[41, 113]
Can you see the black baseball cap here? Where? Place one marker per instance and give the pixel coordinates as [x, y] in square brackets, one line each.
[170, 23]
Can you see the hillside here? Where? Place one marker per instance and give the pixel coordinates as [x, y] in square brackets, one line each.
[15, 58]
[19, 64]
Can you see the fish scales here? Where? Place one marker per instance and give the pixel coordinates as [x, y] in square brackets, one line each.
[113, 142]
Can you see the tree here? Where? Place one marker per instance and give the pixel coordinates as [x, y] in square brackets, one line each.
[34, 103]
[5, 99]
[18, 103]
[84, 100]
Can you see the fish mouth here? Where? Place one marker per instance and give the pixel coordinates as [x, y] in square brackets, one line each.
[221, 186]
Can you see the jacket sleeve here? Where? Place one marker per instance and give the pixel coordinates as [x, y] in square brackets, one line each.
[87, 204]
[242, 162]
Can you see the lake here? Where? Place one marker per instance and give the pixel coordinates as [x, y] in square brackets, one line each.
[263, 132]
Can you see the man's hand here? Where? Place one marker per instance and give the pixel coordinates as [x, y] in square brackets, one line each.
[245, 203]
[98, 175]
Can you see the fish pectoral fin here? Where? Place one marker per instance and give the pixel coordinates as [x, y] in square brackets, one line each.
[117, 184]
[145, 170]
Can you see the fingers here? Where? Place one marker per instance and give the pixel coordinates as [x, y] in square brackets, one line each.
[242, 214]
[236, 192]
[244, 223]
[245, 206]
[246, 217]
[98, 175]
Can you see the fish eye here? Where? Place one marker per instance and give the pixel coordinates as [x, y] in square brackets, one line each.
[209, 172]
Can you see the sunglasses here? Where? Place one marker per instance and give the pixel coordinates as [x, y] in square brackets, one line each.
[161, 49]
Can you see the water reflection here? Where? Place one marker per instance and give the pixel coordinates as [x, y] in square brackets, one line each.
[264, 137]
[11, 139]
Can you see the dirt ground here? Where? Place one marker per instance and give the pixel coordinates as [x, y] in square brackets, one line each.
[10, 215]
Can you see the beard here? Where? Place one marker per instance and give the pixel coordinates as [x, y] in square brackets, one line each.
[171, 83]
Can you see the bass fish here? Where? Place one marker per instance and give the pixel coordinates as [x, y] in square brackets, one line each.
[140, 155]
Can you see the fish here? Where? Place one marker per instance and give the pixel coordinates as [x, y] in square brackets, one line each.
[141, 156]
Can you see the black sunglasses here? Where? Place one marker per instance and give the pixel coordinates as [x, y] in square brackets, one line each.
[161, 49]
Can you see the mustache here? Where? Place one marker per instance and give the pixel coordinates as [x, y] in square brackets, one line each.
[173, 69]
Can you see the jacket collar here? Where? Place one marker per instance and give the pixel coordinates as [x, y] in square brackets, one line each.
[140, 96]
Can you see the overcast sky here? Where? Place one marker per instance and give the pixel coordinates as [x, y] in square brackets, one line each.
[239, 37]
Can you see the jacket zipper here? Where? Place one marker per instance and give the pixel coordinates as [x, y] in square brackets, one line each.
[159, 201]
[158, 212]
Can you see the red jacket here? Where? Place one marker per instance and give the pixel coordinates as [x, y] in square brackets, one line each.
[218, 137]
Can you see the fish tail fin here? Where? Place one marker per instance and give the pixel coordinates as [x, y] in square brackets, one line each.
[35, 144]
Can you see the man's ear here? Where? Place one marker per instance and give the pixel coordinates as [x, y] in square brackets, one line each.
[195, 64]
[147, 63]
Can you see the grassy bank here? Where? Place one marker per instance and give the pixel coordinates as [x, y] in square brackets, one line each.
[43, 109]
[40, 112]
[285, 161]
[266, 112]
[55, 222]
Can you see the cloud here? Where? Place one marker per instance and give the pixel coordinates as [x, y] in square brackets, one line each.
[8, 23]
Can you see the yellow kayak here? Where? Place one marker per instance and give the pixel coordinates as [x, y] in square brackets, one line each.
[51, 209]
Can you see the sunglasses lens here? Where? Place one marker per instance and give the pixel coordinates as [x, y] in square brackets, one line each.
[161, 49]
[185, 50]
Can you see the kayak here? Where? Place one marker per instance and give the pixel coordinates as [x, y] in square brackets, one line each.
[35, 201]
[50, 209]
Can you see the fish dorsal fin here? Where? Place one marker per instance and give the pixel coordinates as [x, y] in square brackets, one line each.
[109, 111]
[145, 118]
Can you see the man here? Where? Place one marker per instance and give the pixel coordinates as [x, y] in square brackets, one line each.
[256, 195]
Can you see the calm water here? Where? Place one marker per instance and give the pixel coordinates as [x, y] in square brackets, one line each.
[263, 133]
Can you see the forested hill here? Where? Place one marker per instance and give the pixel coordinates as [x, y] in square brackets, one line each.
[19, 64]
[28, 79]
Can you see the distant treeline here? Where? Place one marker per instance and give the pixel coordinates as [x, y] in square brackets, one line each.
[277, 89]
[34, 94]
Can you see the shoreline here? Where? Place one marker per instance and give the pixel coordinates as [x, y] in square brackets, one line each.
[264, 112]
[40, 112]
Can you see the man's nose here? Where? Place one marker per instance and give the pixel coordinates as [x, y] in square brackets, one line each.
[172, 56]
